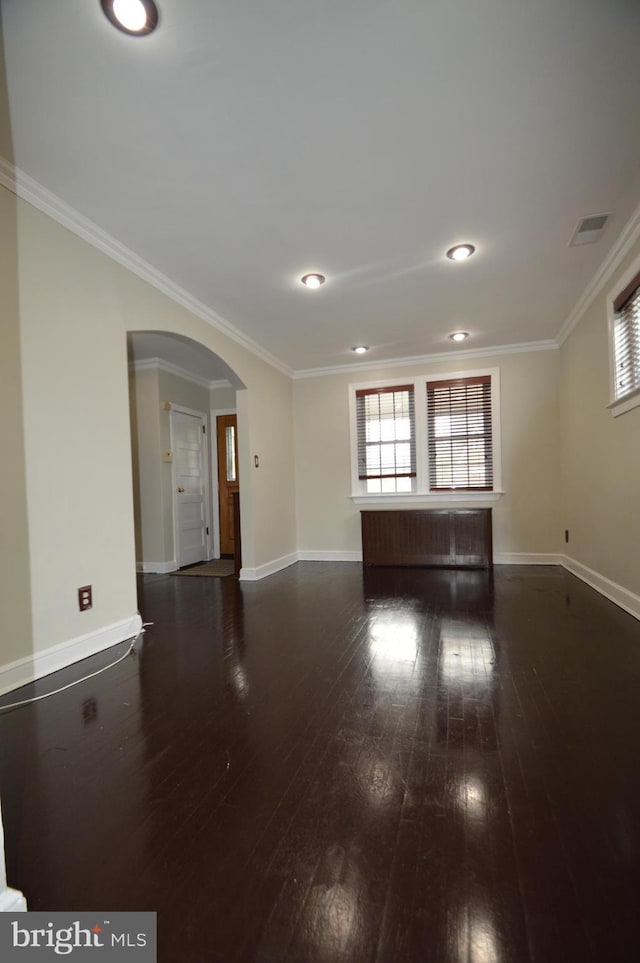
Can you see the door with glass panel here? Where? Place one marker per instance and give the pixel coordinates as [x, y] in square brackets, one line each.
[228, 481]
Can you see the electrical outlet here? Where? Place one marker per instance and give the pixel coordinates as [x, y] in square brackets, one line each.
[85, 598]
[566, 534]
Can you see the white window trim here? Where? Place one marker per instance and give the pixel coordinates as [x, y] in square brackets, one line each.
[437, 499]
[618, 406]
[422, 494]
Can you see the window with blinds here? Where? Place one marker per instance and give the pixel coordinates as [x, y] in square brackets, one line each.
[626, 339]
[385, 423]
[459, 415]
[427, 437]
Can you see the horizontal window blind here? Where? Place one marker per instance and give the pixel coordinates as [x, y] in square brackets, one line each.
[386, 432]
[626, 338]
[460, 434]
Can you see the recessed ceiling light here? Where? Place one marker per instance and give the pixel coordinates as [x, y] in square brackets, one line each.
[360, 349]
[460, 252]
[313, 280]
[135, 17]
[459, 336]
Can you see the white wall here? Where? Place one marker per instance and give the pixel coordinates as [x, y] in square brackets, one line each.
[525, 518]
[600, 453]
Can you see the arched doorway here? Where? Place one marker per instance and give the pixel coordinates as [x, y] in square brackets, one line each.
[183, 407]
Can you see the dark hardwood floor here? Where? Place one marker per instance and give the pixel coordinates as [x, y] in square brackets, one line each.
[331, 765]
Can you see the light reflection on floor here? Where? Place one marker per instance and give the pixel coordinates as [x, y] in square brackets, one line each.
[471, 796]
[476, 937]
[393, 641]
[334, 911]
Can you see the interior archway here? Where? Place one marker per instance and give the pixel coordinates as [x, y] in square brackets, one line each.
[178, 384]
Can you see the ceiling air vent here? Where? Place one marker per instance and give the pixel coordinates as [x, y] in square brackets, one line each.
[589, 229]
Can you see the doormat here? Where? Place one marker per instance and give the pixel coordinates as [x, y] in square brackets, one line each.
[217, 568]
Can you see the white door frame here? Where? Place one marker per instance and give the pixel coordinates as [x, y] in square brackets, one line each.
[215, 488]
[202, 415]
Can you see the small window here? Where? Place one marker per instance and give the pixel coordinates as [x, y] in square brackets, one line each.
[626, 339]
[460, 434]
[230, 444]
[385, 422]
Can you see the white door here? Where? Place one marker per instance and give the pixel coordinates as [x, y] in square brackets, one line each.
[188, 442]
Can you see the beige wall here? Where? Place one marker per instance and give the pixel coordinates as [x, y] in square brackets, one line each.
[525, 518]
[180, 391]
[600, 453]
[152, 544]
[222, 399]
[15, 591]
[270, 436]
[79, 484]
[75, 306]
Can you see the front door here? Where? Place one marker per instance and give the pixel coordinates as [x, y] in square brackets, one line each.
[228, 482]
[189, 448]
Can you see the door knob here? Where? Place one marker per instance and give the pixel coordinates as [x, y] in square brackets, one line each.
[180, 488]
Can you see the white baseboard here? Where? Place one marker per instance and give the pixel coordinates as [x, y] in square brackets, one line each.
[501, 558]
[157, 568]
[269, 568]
[19, 673]
[621, 596]
[526, 558]
[12, 901]
[322, 556]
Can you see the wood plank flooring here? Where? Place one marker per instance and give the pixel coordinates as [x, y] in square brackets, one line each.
[327, 766]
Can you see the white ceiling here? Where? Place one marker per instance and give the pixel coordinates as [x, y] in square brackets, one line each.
[244, 144]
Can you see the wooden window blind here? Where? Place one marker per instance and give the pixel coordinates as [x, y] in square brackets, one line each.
[460, 434]
[626, 338]
[385, 419]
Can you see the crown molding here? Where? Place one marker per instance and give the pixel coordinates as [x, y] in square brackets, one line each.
[619, 250]
[159, 364]
[30, 190]
[34, 193]
[426, 359]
